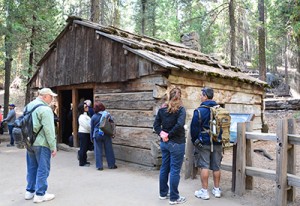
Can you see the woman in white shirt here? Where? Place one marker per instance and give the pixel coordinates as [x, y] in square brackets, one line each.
[84, 130]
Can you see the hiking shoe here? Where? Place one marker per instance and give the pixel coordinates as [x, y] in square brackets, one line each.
[44, 198]
[178, 201]
[202, 194]
[216, 192]
[164, 197]
[29, 195]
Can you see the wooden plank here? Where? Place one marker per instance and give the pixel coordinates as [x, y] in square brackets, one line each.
[291, 160]
[145, 67]
[240, 159]
[261, 136]
[133, 118]
[147, 55]
[249, 154]
[133, 155]
[74, 116]
[130, 101]
[159, 91]
[132, 66]
[106, 63]
[118, 63]
[294, 139]
[134, 137]
[281, 166]
[293, 180]
[259, 172]
[226, 166]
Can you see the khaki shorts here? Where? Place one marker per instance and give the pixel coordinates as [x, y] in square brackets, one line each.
[205, 159]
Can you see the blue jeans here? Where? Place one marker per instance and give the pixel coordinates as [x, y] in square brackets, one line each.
[10, 129]
[38, 169]
[172, 159]
[99, 143]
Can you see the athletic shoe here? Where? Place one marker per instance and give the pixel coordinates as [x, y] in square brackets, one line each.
[44, 198]
[164, 197]
[202, 194]
[216, 192]
[178, 201]
[29, 195]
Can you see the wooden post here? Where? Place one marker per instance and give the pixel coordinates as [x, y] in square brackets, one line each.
[281, 167]
[74, 117]
[190, 169]
[291, 162]
[233, 170]
[249, 179]
[240, 159]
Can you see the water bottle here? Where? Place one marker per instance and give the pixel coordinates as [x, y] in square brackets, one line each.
[100, 132]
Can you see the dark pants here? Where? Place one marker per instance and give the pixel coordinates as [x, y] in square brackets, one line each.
[106, 143]
[10, 129]
[84, 141]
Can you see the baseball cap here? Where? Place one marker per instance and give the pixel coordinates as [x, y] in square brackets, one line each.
[45, 91]
[209, 92]
[12, 105]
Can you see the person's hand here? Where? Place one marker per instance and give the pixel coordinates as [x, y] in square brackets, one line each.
[53, 153]
[164, 136]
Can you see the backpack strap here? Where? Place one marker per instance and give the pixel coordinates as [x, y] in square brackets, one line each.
[28, 112]
[210, 127]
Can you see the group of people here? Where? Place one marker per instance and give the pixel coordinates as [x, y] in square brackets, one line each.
[88, 131]
[169, 125]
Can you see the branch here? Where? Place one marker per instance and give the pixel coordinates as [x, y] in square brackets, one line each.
[213, 21]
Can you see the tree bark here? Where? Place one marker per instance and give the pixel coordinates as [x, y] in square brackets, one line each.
[143, 20]
[232, 32]
[261, 41]
[8, 56]
[95, 11]
[286, 74]
[31, 56]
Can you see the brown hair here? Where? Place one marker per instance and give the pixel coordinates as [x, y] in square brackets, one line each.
[98, 106]
[174, 102]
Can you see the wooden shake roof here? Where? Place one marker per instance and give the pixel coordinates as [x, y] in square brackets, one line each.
[169, 55]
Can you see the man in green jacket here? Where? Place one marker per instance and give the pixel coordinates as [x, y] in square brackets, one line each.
[38, 158]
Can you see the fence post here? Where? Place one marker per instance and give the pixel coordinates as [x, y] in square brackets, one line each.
[240, 159]
[249, 179]
[291, 163]
[281, 167]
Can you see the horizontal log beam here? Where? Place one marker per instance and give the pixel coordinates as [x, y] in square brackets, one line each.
[293, 180]
[294, 139]
[261, 136]
[259, 172]
[226, 166]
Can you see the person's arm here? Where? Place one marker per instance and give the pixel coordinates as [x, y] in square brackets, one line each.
[46, 118]
[9, 116]
[195, 126]
[157, 123]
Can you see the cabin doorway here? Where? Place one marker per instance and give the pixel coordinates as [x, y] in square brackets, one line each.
[67, 110]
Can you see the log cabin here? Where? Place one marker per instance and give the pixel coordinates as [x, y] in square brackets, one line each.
[131, 75]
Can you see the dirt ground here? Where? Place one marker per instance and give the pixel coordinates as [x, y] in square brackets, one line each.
[131, 184]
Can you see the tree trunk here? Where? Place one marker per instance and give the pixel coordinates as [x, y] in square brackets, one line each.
[298, 48]
[8, 56]
[232, 32]
[286, 60]
[31, 56]
[102, 14]
[143, 20]
[116, 14]
[95, 11]
[261, 41]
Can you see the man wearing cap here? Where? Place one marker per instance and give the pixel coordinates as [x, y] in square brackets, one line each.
[38, 158]
[206, 160]
[10, 120]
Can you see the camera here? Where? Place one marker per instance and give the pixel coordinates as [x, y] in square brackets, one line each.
[198, 144]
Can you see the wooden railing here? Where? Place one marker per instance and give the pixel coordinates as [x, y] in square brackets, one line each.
[285, 173]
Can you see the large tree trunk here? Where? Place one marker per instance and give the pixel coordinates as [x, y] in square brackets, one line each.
[298, 45]
[261, 41]
[8, 56]
[95, 11]
[102, 13]
[232, 32]
[143, 20]
[286, 60]
[31, 56]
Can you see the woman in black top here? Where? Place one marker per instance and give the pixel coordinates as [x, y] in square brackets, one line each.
[169, 125]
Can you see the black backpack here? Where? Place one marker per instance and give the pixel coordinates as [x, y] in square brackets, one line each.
[23, 129]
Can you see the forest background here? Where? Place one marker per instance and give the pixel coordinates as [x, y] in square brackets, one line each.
[249, 34]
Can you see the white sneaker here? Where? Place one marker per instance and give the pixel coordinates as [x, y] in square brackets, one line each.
[164, 197]
[178, 201]
[44, 198]
[29, 195]
[202, 194]
[216, 192]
